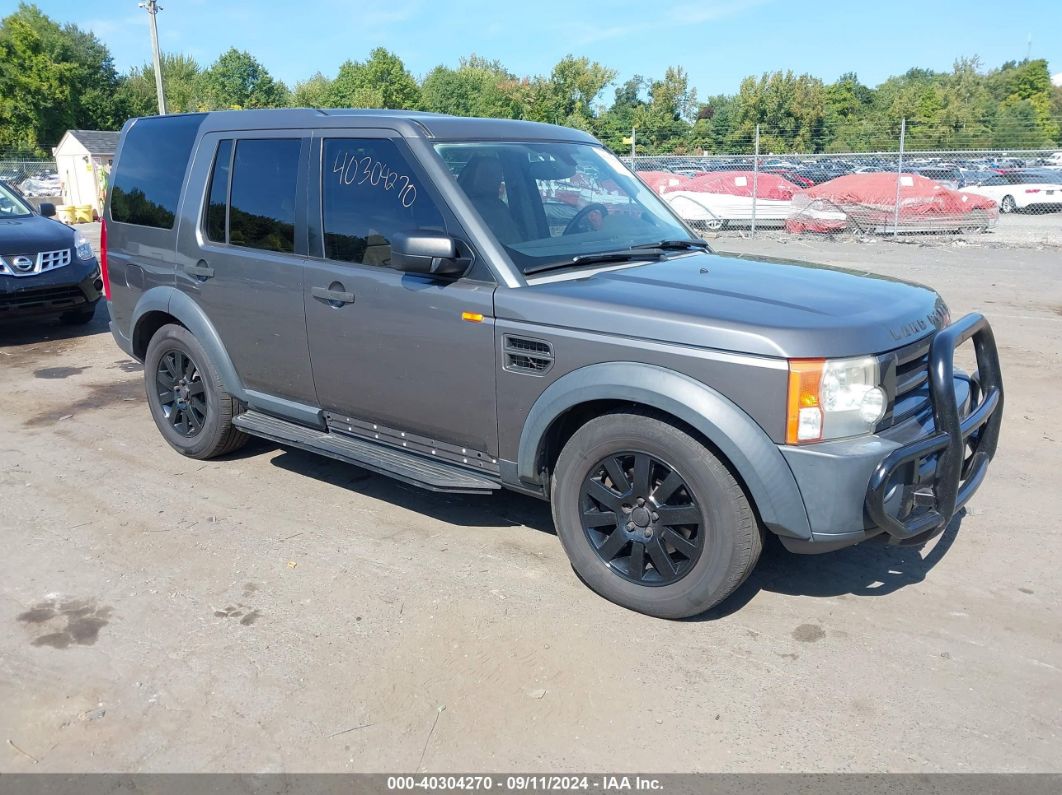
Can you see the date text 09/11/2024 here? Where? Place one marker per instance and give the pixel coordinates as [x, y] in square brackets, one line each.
[532, 783]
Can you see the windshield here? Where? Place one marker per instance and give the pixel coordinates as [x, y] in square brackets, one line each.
[554, 202]
[11, 204]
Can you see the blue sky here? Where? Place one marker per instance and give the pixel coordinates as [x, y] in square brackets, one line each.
[717, 41]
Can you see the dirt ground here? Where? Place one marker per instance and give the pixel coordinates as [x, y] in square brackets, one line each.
[282, 612]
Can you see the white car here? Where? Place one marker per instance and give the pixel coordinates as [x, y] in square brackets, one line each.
[715, 199]
[1018, 190]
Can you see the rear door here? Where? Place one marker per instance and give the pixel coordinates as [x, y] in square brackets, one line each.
[399, 355]
[243, 261]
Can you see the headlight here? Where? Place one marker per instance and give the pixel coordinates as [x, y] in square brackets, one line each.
[82, 247]
[833, 398]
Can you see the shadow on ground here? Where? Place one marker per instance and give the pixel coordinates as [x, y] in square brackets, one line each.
[30, 331]
[873, 568]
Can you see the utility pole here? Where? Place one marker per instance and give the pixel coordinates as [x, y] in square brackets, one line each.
[153, 8]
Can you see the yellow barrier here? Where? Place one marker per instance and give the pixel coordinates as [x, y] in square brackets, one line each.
[83, 214]
[66, 213]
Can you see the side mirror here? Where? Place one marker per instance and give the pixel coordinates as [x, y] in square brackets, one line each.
[426, 252]
[47, 209]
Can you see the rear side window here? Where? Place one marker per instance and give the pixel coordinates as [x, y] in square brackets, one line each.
[147, 183]
[218, 203]
[368, 193]
[262, 199]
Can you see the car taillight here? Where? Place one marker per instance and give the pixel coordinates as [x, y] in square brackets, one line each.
[1032, 190]
[103, 260]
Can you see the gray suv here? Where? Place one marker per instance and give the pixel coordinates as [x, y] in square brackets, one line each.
[471, 304]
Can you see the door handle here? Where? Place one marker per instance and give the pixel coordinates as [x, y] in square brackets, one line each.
[333, 296]
[200, 271]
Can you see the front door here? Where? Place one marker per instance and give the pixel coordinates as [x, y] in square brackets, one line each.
[398, 353]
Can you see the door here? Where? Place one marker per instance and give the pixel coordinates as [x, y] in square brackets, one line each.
[243, 264]
[408, 353]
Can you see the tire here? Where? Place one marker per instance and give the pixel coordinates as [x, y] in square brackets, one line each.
[79, 317]
[198, 423]
[721, 544]
[1008, 205]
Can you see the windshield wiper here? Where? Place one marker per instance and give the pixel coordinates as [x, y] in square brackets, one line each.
[592, 259]
[671, 245]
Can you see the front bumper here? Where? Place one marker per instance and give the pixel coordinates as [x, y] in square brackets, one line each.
[51, 293]
[909, 481]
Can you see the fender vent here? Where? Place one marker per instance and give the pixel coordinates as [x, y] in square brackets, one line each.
[528, 356]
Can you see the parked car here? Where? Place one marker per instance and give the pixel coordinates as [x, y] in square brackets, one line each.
[948, 176]
[46, 184]
[718, 199]
[47, 269]
[1021, 190]
[387, 289]
[868, 203]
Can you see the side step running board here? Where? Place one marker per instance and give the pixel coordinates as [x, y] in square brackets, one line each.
[408, 467]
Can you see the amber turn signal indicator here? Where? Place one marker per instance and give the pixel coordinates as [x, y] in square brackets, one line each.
[803, 414]
[472, 317]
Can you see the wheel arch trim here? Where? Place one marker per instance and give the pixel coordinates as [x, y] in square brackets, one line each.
[745, 444]
[180, 306]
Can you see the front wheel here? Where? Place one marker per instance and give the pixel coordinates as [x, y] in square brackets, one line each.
[186, 397]
[650, 518]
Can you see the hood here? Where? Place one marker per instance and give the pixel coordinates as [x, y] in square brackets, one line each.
[32, 234]
[792, 310]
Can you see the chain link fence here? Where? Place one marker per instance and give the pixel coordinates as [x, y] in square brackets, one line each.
[37, 180]
[891, 193]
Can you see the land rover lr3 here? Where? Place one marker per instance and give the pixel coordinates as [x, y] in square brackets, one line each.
[475, 304]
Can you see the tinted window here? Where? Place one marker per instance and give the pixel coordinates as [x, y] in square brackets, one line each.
[369, 192]
[154, 157]
[219, 193]
[262, 203]
[994, 181]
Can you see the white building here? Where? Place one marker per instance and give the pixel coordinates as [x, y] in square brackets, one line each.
[83, 159]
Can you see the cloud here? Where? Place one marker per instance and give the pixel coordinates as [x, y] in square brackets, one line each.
[1056, 79]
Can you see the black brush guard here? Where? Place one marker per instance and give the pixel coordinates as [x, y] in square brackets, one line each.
[931, 501]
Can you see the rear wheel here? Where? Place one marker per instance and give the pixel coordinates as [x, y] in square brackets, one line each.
[650, 518]
[186, 397]
[1008, 205]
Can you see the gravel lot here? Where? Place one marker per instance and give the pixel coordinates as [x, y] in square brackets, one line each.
[282, 612]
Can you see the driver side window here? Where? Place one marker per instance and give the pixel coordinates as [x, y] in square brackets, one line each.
[368, 193]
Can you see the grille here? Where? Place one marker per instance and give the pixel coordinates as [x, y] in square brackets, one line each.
[49, 260]
[912, 380]
[42, 262]
[48, 298]
[528, 356]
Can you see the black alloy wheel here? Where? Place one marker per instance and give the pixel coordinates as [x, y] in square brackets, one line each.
[182, 393]
[642, 519]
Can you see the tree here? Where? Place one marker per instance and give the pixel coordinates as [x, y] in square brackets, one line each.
[790, 110]
[316, 92]
[380, 82]
[237, 80]
[182, 82]
[52, 78]
[1026, 84]
[478, 87]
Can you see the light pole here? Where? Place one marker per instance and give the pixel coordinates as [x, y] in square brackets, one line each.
[153, 8]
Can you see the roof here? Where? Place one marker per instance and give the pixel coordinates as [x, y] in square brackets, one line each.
[97, 142]
[408, 123]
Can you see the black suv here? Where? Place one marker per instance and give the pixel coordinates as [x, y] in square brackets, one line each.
[398, 290]
[46, 268]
